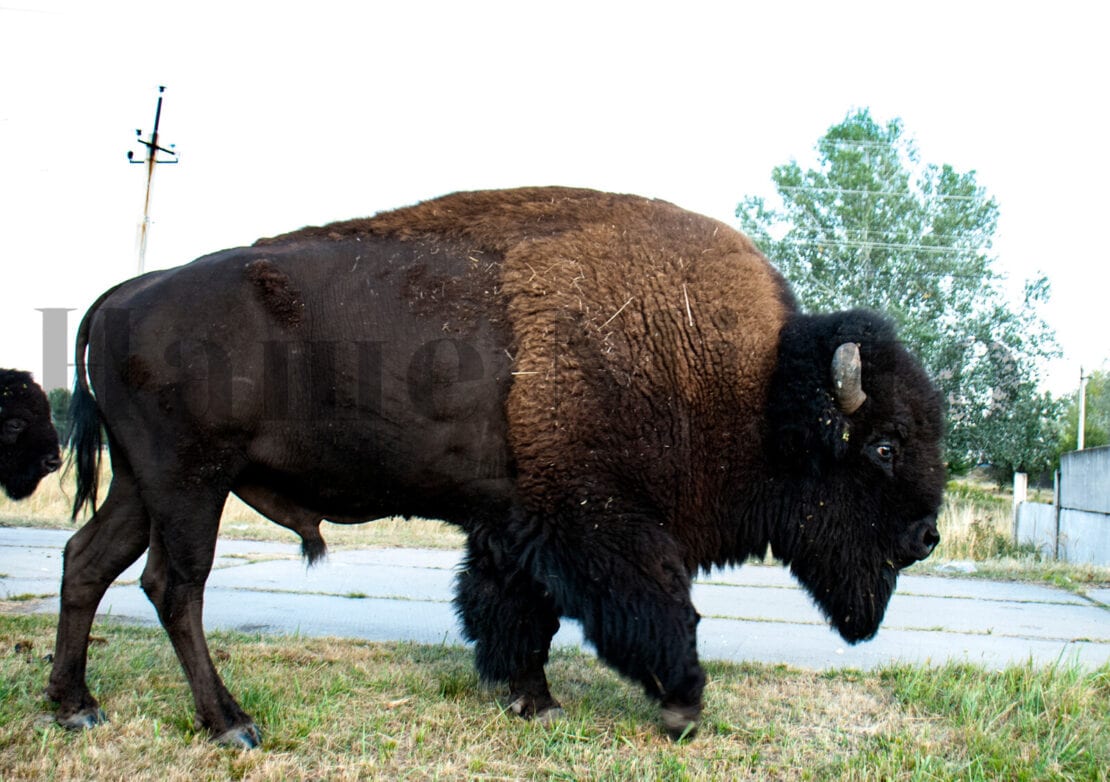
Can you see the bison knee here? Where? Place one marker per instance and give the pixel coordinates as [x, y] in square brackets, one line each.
[153, 584]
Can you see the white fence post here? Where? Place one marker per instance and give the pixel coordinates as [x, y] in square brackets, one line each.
[1021, 492]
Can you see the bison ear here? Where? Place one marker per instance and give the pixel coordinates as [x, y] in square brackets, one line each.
[847, 377]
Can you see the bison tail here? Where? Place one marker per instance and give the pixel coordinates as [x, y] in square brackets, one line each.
[85, 442]
[85, 436]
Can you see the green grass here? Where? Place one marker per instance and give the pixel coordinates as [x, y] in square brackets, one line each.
[332, 709]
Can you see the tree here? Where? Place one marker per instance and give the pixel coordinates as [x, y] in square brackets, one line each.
[872, 226]
[1097, 425]
[59, 409]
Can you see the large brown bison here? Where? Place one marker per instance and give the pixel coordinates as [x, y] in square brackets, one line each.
[607, 393]
[28, 442]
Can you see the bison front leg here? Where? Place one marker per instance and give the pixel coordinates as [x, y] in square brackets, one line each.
[511, 619]
[625, 581]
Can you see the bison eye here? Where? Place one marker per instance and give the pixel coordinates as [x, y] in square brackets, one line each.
[14, 426]
[11, 430]
[882, 453]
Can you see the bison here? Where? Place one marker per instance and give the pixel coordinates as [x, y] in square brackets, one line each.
[28, 442]
[606, 393]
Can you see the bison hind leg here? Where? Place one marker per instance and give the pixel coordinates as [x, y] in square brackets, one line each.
[98, 552]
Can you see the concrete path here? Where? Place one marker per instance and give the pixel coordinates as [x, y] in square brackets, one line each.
[752, 613]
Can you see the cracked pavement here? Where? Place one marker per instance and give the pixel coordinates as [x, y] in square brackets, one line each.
[752, 613]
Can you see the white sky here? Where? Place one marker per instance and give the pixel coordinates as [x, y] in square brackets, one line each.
[293, 114]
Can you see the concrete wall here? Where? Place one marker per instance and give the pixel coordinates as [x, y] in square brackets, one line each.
[1084, 537]
[1085, 480]
[1077, 527]
[1036, 524]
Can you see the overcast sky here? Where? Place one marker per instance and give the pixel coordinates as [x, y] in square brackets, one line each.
[293, 114]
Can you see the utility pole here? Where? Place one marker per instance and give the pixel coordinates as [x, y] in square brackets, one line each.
[152, 150]
[1080, 439]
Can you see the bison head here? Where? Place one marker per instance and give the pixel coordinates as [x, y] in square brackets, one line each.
[854, 435]
[28, 442]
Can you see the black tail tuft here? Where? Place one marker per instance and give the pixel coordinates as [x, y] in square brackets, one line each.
[313, 548]
[85, 440]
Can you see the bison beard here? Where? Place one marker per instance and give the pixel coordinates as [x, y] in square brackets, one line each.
[606, 393]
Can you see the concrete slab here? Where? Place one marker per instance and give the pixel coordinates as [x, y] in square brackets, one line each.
[1101, 596]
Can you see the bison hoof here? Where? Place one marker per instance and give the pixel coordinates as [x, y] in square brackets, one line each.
[84, 719]
[241, 737]
[550, 715]
[543, 710]
[680, 722]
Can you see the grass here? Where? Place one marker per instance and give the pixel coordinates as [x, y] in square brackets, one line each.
[333, 709]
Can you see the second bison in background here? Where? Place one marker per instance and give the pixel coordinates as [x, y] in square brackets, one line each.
[607, 393]
[28, 442]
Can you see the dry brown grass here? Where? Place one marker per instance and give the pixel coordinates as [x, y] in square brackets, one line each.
[971, 530]
[49, 508]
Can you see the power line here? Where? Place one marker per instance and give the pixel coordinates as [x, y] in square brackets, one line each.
[881, 245]
[861, 144]
[885, 193]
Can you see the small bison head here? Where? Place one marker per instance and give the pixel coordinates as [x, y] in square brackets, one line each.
[28, 442]
[855, 431]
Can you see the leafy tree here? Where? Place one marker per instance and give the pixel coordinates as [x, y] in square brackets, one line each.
[59, 409]
[872, 226]
[1097, 425]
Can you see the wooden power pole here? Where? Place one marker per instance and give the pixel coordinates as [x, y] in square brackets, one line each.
[152, 150]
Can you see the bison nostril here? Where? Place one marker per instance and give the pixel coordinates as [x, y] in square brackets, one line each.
[930, 538]
[51, 463]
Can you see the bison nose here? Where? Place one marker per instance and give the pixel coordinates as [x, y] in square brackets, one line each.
[930, 537]
[51, 462]
[919, 541]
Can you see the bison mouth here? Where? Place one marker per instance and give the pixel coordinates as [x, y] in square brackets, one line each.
[21, 486]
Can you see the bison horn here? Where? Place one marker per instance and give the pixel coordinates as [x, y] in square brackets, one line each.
[848, 378]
